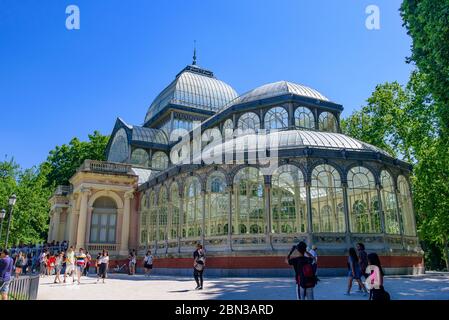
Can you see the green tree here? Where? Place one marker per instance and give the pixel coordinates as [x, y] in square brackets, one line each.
[427, 22]
[29, 222]
[63, 161]
[405, 121]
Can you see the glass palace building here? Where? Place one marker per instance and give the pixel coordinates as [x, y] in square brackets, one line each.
[195, 172]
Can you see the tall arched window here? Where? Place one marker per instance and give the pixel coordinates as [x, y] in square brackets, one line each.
[192, 213]
[363, 202]
[152, 226]
[119, 147]
[159, 161]
[249, 122]
[217, 204]
[249, 200]
[140, 157]
[104, 221]
[327, 122]
[276, 118]
[406, 208]
[228, 125]
[175, 210]
[389, 204]
[304, 118]
[326, 194]
[288, 200]
[144, 220]
[163, 213]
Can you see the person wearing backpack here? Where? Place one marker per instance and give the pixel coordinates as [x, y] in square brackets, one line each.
[304, 272]
[199, 263]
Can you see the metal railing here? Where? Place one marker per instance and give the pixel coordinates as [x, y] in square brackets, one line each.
[24, 288]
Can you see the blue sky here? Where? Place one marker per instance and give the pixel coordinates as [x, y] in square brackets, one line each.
[56, 84]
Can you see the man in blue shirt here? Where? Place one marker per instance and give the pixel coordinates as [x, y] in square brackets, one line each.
[6, 267]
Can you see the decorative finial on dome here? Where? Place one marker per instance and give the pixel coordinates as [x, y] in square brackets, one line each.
[194, 53]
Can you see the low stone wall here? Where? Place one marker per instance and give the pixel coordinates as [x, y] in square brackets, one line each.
[271, 266]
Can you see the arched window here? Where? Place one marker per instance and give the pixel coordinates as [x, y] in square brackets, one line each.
[363, 203]
[288, 200]
[304, 118]
[175, 210]
[159, 161]
[119, 147]
[140, 157]
[276, 118]
[249, 122]
[249, 199]
[389, 203]
[326, 194]
[228, 128]
[104, 221]
[192, 213]
[152, 225]
[217, 204]
[327, 122]
[144, 220]
[163, 213]
[406, 208]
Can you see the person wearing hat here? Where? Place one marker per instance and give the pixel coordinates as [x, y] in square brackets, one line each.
[314, 254]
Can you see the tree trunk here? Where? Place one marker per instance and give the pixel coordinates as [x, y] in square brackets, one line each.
[446, 252]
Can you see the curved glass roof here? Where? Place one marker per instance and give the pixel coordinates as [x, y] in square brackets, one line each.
[294, 139]
[194, 87]
[149, 135]
[277, 89]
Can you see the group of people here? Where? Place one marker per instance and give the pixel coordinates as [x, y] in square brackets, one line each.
[360, 264]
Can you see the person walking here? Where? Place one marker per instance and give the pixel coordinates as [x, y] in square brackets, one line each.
[375, 279]
[19, 264]
[363, 261]
[80, 259]
[43, 263]
[6, 269]
[132, 262]
[103, 263]
[58, 266]
[199, 263]
[70, 264]
[148, 263]
[97, 264]
[354, 271]
[87, 265]
[51, 263]
[304, 274]
[25, 264]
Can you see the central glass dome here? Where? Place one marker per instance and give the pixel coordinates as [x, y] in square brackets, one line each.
[193, 87]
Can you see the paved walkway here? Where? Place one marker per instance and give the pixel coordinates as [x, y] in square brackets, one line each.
[123, 287]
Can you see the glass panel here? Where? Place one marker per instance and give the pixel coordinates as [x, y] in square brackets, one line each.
[406, 208]
[159, 161]
[249, 202]
[327, 122]
[192, 213]
[327, 194]
[304, 118]
[217, 205]
[288, 200]
[249, 121]
[364, 214]
[140, 157]
[276, 118]
[389, 204]
[119, 147]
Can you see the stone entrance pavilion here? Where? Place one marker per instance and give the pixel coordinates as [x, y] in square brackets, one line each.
[165, 190]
